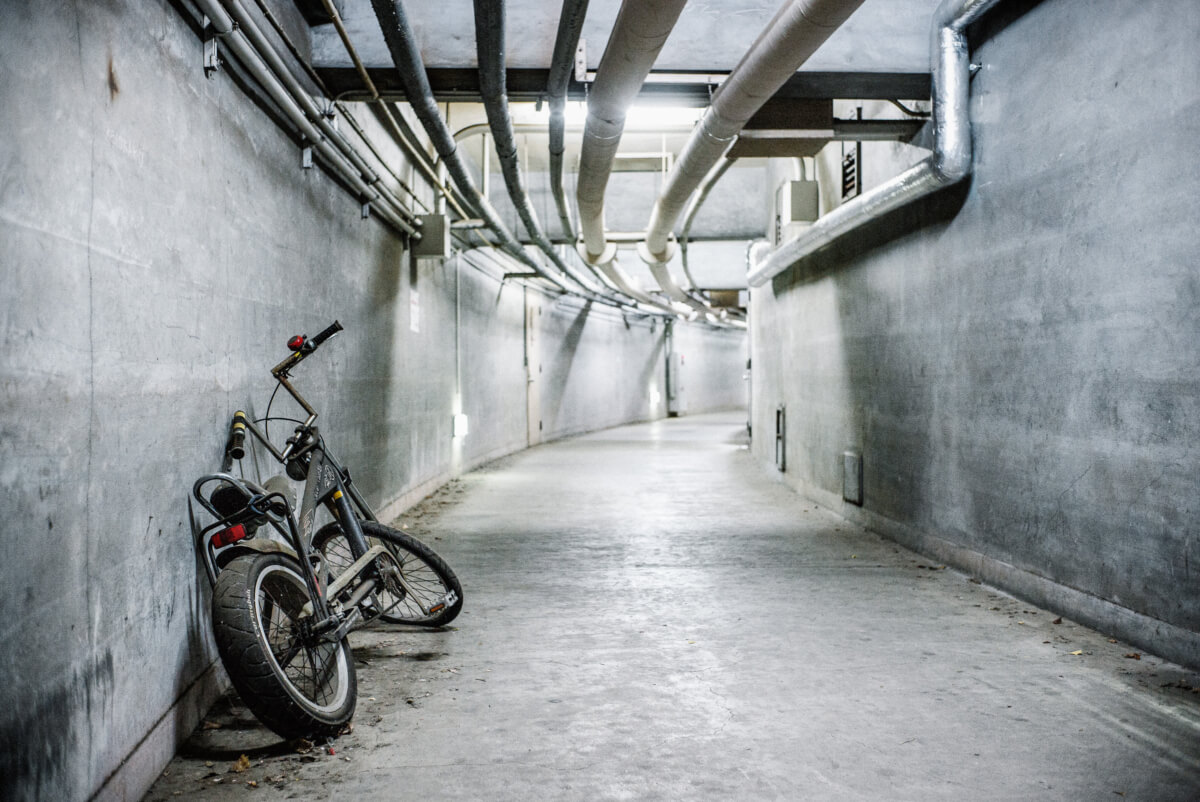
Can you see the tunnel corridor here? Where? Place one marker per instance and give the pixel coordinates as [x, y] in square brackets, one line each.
[936, 256]
[647, 619]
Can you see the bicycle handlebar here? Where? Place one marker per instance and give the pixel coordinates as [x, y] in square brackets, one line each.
[235, 446]
[303, 346]
[333, 329]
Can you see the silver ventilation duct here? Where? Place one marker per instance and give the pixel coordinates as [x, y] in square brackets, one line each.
[949, 163]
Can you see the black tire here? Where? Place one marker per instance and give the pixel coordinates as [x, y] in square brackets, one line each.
[432, 582]
[296, 690]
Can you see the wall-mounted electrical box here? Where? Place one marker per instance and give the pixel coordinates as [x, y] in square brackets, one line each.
[852, 489]
[781, 437]
[676, 397]
[435, 237]
[797, 206]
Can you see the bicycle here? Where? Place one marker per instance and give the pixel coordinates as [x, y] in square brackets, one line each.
[284, 605]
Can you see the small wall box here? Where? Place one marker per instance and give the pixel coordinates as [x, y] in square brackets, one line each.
[852, 477]
[435, 237]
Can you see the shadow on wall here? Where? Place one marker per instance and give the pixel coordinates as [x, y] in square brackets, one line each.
[381, 468]
[920, 218]
[564, 358]
[653, 372]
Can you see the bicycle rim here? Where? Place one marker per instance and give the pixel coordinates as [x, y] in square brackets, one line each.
[314, 672]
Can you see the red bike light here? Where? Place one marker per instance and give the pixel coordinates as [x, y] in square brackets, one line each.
[296, 343]
[231, 535]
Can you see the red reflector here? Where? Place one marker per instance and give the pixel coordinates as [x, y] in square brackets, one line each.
[231, 535]
[296, 342]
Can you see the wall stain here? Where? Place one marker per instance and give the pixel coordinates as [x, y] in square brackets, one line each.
[114, 88]
[43, 741]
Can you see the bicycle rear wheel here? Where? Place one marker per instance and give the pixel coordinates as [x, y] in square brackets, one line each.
[426, 593]
[296, 684]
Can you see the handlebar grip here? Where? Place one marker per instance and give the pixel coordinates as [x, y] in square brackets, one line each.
[235, 447]
[326, 334]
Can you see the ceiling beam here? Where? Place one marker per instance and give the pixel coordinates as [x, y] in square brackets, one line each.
[462, 84]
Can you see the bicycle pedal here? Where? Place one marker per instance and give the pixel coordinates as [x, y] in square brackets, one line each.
[446, 601]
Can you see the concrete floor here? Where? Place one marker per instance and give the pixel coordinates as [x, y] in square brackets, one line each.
[649, 616]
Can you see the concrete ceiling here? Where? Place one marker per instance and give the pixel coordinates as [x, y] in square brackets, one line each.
[882, 52]
[883, 38]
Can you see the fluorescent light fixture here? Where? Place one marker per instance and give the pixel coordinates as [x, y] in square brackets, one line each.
[651, 117]
[461, 427]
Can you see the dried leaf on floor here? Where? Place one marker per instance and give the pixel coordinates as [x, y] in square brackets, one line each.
[1056, 621]
[1077, 652]
[210, 725]
[241, 764]
[1134, 655]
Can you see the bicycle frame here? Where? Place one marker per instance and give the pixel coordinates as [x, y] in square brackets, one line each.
[327, 483]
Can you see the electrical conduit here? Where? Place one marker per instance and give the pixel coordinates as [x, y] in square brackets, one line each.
[237, 42]
[490, 46]
[402, 45]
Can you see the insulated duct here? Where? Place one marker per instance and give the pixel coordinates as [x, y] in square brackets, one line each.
[638, 35]
[402, 45]
[710, 181]
[795, 33]
[949, 163]
[489, 45]
[570, 25]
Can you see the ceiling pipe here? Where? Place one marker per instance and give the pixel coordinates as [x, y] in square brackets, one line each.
[241, 47]
[406, 56]
[302, 62]
[267, 52]
[624, 283]
[795, 33]
[399, 130]
[949, 163]
[490, 46]
[638, 35]
[710, 181]
[566, 42]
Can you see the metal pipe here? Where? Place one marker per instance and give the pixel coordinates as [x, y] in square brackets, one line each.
[795, 33]
[570, 26]
[275, 62]
[299, 59]
[710, 181]
[476, 129]
[406, 56]
[612, 269]
[245, 52]
[415, 154]
[638, 35]
[490, 46]
[949, 163]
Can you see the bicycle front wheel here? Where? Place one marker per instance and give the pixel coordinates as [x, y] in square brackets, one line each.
[297, 684]
[423, 592]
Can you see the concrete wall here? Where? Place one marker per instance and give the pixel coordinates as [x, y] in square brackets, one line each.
[1016, 359]
[159, 243]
